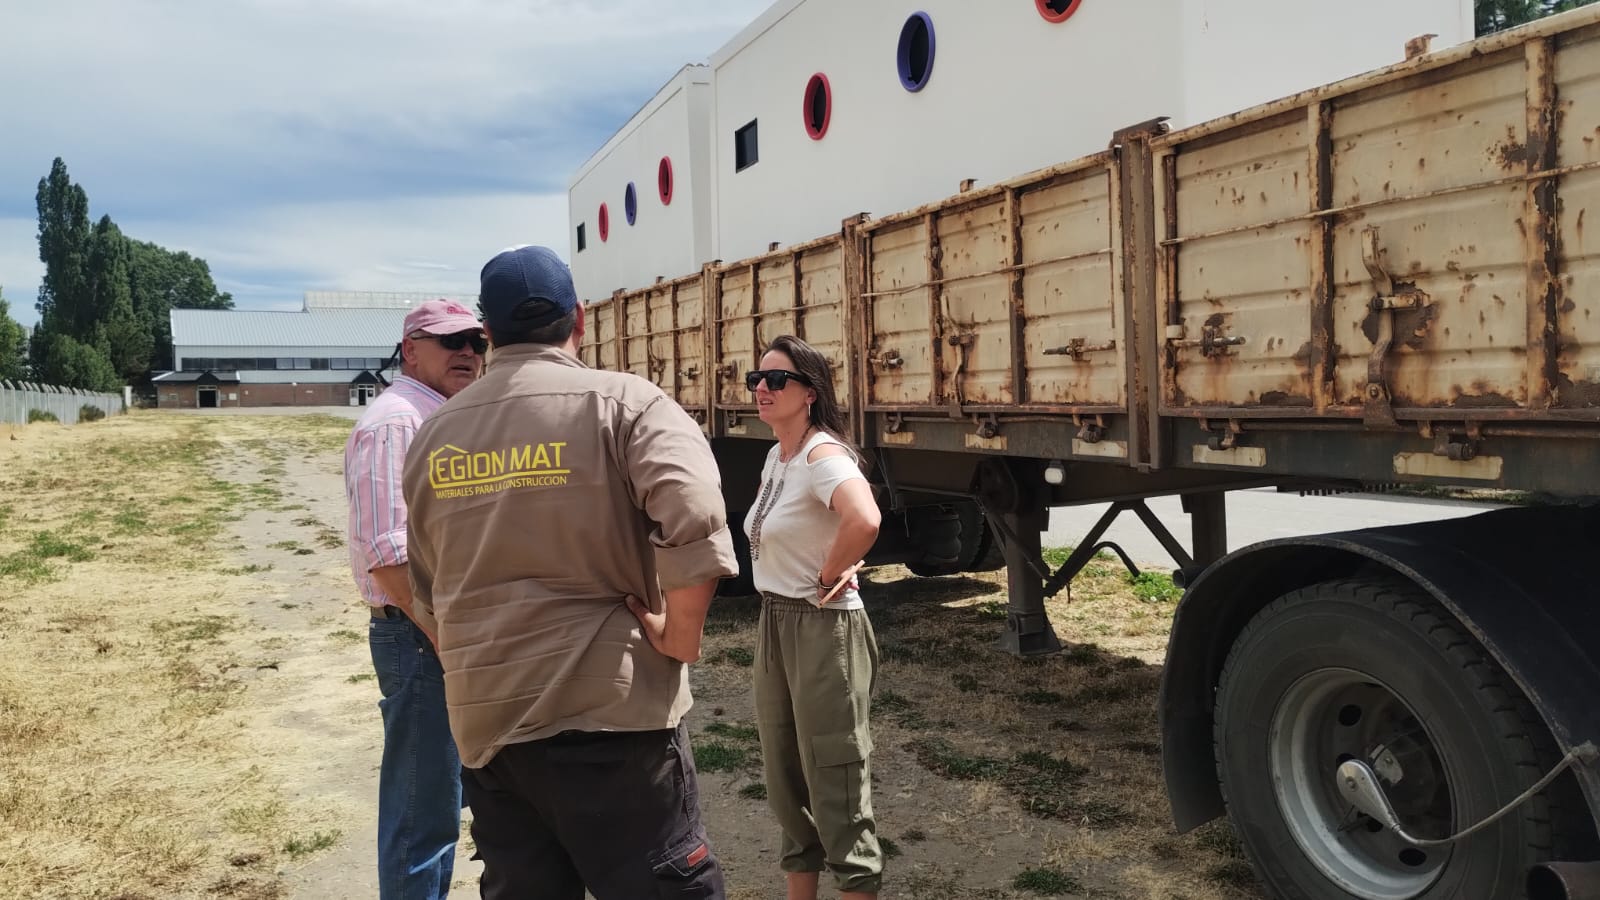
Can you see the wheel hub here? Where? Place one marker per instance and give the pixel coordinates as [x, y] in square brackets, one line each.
[1333, 715]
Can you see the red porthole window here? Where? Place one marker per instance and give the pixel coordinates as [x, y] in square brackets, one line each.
[664, 180]
[605, 223]
[819, 106]
[1057, 10]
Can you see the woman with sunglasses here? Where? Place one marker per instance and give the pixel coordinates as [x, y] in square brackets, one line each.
[816, 656]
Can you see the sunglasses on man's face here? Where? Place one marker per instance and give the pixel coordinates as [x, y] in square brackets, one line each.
[776, 379]
[454, 342]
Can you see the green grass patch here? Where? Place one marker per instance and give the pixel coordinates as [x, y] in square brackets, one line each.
[346, 636]
[362, 676]
[299, 846]
[48, 545]
[1049, 882]
[746, 733]
[754, 791]
[1043, 784]
[130, 520]
[716, 756]
[24, 568]
[939, 757]
[1155, 587]
[738, 656]
[252, 569]
[991, 611]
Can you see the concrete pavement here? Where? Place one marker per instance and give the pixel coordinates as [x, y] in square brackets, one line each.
[1253, 515]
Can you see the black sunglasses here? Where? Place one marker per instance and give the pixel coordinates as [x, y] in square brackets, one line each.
[776, 379]
[453, 342]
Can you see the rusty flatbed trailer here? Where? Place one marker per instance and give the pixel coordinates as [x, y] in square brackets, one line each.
[1384, 280]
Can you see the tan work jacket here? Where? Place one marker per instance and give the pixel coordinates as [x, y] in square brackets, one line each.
[538, 498]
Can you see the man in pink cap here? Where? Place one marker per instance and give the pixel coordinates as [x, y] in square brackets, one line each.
[419, 782]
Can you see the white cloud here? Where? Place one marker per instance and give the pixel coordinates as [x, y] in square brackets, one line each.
[404, 244]
[20, 269]
[343, 144]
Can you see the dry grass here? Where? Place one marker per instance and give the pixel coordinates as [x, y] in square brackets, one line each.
[128, 768]
[1064, 750]
[125, 763]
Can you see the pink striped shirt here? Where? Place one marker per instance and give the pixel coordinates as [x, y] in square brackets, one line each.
[374, 457]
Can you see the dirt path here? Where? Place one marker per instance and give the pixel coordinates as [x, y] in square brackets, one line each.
[318, 708]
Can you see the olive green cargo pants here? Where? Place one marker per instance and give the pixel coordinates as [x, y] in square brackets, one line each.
[814, 670]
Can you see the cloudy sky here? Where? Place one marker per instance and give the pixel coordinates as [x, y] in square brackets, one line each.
[326, 144]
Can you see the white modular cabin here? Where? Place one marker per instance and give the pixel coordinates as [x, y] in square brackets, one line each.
[821, 109]
[641, 206]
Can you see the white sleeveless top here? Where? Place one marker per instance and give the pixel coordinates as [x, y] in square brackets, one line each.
[796, 525]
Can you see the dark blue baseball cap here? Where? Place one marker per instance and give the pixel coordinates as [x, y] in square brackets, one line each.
[525, 287]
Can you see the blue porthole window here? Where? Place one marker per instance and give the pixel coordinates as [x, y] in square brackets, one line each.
[915, 56]
[630, 203]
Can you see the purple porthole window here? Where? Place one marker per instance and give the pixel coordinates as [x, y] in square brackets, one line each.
[630, 203]
[818, 106]
[1057, 10]
[915, 56]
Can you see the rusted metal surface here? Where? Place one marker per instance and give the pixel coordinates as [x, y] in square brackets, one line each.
[1019, 301]
[1401, 255]
[1577, 128]
[1394, 247]
[1144, 278]
[1319, 172]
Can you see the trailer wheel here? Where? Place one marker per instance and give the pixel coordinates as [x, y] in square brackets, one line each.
[1374, 668]
[964, 526]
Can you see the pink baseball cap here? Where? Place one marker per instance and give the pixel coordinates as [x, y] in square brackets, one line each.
[441, 317]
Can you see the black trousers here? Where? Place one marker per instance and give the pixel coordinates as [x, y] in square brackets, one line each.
[617, 813]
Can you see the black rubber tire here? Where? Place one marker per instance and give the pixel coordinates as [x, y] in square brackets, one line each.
[1491, 743]
[744, 583]
[992, 556]
[964, 525]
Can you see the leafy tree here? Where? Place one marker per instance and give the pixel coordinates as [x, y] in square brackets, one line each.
[110, 294]
[163, 280]
[64, 304]
[1498, 15]
[13, 345]
[120, 335]
[71, 363]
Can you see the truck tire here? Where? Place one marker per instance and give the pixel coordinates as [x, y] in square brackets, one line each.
[742, 584]
[978, 552]
[1374, 668]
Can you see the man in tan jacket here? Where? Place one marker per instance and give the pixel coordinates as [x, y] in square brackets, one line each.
[567, 532]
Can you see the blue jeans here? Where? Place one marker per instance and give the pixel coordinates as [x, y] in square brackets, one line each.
[419, 784]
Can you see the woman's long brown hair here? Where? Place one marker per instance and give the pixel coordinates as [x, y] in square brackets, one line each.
[825, 413]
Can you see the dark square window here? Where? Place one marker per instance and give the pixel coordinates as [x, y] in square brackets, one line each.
[583, 240]
[745, 150]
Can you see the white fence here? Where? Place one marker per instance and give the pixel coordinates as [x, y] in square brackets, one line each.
[18, 398]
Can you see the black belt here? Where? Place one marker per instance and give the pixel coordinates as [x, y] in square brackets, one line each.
[386, 611]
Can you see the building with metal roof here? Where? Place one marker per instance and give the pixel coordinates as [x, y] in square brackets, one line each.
[333, 352]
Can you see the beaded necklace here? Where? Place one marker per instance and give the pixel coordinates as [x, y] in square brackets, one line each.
[770, 492]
